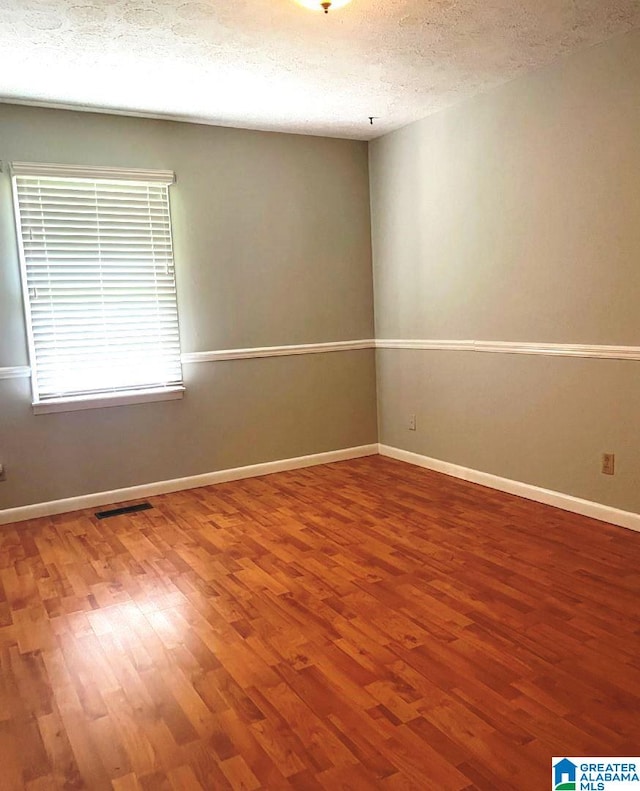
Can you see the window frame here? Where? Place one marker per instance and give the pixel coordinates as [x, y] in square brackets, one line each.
[89, 400]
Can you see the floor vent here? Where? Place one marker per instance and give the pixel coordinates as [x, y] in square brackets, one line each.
[127, 509]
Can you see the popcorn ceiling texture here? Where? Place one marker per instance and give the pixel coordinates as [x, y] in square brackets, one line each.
[272, 64]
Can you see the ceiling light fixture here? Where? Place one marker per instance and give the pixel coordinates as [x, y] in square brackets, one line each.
[323, 5]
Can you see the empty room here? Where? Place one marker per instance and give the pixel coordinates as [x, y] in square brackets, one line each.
[320, 395]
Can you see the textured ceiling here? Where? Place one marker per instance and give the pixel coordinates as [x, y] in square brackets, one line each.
[272, 64]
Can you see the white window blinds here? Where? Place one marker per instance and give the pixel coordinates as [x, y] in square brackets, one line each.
[99, 281]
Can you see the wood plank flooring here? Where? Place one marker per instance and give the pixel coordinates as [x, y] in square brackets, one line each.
[360, 625]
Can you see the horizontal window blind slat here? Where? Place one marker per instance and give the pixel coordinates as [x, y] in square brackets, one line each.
[107, 336]
[83, 188]
[56, 261]
[84, 261]
[95, 200]
[86, 224]
[107, 330]
[51, 193]
[47, 289]
[111, 373]
[95, 235]
[55, 190]
[61, 215]
[67, 345]
[75, 309]
[142, 272]
[110, 337]
[44, 316]
[67, 342]
[112, 267]
[97, 240]
[146, 270]
[105, 289]
[71, 300]
[116, 243]
[53, 197]
[32, 213]
[144, 357]
[122, 356]
[108, 291]
[70, 332]
[96, 203]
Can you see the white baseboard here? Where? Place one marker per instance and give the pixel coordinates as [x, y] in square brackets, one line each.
[24, 512]
[566, 502]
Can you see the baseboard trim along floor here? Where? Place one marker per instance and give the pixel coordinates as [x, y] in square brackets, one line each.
[566, 502]
[21, 513]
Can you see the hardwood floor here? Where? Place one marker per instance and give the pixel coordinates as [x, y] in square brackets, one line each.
[366, 624]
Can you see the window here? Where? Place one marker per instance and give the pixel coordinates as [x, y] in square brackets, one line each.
[99, 285]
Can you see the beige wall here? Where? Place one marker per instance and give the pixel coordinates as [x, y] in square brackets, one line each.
[272, 247]
[516, 217]
[512, 217]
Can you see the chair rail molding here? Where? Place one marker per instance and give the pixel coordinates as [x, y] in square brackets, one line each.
[15, 372]
[277, 351]
[218, 355]
[517, 347]
[601, 352]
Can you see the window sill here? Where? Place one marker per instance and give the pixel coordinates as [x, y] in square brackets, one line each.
[107, 400]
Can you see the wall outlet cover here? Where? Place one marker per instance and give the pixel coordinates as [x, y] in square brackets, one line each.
[608, 464]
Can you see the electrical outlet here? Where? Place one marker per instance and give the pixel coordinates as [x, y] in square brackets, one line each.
[608, 464]
[412, 423]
